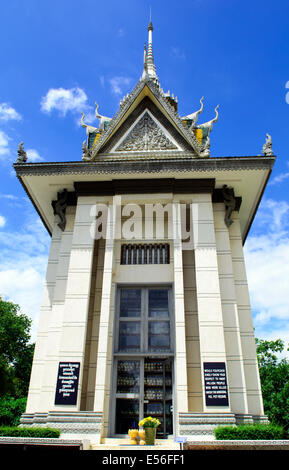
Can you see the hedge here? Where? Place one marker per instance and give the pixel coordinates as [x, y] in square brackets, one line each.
[7, 431]
[11, 410]
[250, 432]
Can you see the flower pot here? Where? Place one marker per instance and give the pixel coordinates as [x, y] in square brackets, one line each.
[150, 434]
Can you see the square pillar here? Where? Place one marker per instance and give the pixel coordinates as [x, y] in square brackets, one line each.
[236, 374]
[104, 353]
[181, 385]
[253, 385]
[211, 327]
[76, 304]
[56, 314]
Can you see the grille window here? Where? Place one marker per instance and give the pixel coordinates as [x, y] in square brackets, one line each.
[145, 254]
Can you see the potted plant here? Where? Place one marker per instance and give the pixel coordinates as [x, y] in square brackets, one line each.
[150, 426]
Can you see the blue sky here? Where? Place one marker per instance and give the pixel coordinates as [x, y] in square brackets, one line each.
[58, 58]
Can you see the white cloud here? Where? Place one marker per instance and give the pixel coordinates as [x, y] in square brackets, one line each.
[272, 218]
[33, 156]
[119, 84]
[23, 285]
[4, 141]
[2, 221]
[9, 196]
[64, 100]
[120, 32]
[73, 100]
[267, 261]
[7, 113]
[10, 201]
[177, 53]
[279, 178]
[23, 261]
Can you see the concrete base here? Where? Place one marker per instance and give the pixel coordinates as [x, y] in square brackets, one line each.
[237, 445]
[73, 425]
[194, 425]
[24, 442]
[88, 424]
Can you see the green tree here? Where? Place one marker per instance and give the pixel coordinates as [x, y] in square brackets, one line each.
[15, 351]
[274, 376]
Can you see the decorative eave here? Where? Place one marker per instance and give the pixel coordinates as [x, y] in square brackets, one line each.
[247, 175]
[145, 165]
[160, 97]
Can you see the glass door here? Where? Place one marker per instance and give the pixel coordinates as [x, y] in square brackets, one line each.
[158, 393]
[144, 388]
[127, 409]
[168, 397]
[143, 359]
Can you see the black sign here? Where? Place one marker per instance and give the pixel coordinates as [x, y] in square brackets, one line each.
[67, 383]
[216, 390]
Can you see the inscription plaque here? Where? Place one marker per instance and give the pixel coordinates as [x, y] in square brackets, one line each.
[67, 383]
[215, 378]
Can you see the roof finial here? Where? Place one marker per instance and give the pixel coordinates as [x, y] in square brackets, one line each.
[150, 23]
[151, 69]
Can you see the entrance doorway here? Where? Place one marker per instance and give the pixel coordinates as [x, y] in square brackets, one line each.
[144, 388]
[143, 359]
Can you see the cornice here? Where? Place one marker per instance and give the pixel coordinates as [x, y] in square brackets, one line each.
[145, 165]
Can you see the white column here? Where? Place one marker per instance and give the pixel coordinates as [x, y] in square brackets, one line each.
[211, 328]
[34, 403]
[56, 314]
[93, 326]
[104, 354]
[75, 311]
[181, 384]
[254, 395]
[236, 375]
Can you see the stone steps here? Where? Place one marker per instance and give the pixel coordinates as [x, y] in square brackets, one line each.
[124, 444]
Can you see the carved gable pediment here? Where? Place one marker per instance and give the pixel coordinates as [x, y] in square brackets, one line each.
[146, 135]
[146, 129]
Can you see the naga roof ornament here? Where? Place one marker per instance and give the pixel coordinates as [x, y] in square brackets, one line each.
[93, 133]
[22, 155]
[201, 131]
[267, 147]
[194, 116]
[104, 120]
[88, 128]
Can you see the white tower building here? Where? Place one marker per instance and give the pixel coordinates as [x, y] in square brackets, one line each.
[146, 309]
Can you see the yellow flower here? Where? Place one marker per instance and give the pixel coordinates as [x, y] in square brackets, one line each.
[149, 422]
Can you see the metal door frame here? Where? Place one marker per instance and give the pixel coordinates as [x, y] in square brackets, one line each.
[142, 354]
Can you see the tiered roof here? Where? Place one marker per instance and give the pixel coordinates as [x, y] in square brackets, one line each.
[152, 126]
